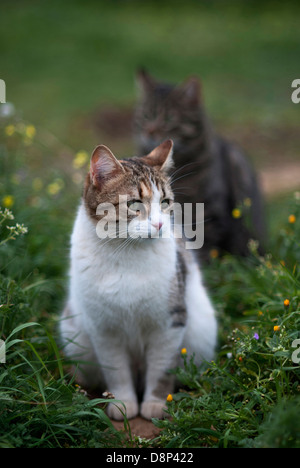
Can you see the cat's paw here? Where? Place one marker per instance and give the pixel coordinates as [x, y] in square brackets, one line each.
[116, 410]
[154, 409]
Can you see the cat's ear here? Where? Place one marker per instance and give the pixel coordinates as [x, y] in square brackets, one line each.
[190, 91]
[104, 166]
[145, 82]
[161, 156]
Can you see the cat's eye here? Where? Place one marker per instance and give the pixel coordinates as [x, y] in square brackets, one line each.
[165, 204]
[135, 205]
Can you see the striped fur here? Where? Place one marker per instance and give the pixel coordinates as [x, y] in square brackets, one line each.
[209, 169]
[133, 305]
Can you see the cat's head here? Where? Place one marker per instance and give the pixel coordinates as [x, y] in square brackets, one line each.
[167, 111]
[134, 193]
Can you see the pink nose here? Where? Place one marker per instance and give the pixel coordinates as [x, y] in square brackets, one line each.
[157, 225]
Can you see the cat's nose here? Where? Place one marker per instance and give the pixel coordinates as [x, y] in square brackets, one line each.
[157, 225]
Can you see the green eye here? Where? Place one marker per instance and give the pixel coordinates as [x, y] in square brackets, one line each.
[135, 205]
[165, 204]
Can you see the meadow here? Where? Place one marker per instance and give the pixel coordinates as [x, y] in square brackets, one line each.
[69, 69]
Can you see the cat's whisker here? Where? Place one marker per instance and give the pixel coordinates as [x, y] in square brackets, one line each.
[191, 224]
[109, 239]
[130, 243]
[178, 170]
[181, 177]
[176, 192]
[122, 246]
[120, 242]
[119, 247]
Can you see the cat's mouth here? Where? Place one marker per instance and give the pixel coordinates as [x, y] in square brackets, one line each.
[152, 230]
[135, 228]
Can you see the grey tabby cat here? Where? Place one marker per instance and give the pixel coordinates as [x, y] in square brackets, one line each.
[211, 170]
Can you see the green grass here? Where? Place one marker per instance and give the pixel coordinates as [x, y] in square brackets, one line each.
[63, 61]
[248, 397]
[39, 404]
[252, 386]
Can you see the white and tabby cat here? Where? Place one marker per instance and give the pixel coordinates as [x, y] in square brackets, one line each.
[133, 303]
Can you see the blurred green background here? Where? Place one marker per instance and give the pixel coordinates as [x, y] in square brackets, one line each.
[70, 69]
[63, 60]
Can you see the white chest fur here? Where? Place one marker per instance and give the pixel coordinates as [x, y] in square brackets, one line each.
[116, 284]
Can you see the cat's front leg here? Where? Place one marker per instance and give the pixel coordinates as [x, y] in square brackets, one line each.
[115, 365]
[162, 355]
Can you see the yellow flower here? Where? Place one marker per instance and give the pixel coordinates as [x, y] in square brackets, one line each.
[183, 351]
[55, 187]
[236, 213]
[292, 219]
[260, 313]
[214, 253]
[8, 201]
[276, 328]
[80, 160]
[10, 130]
[287, 303]
[169, 398]
[30, 131]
